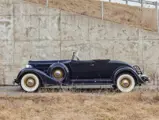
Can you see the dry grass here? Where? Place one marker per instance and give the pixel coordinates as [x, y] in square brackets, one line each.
[81, 106]
[124, 14]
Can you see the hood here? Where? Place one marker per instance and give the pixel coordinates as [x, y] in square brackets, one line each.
[46, 62]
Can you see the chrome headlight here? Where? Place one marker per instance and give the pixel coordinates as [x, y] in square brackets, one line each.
[137, 69]
[28, 66]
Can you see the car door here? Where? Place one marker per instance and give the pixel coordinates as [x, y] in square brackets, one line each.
[103, 68]
[83, 70]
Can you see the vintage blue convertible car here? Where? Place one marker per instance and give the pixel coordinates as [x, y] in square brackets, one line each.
[80, 74]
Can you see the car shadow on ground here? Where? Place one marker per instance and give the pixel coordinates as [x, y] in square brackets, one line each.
[15, 90]
[49, 90]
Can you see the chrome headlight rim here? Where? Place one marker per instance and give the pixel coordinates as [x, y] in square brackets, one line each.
[28, 66]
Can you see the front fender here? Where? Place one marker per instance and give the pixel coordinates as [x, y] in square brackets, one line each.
[45, 79]
[126, 70]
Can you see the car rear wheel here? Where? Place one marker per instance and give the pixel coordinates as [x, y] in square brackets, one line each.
[30, 82]
[125, 83]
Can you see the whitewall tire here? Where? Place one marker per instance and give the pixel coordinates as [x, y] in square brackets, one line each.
[125, 83]
[30, 83]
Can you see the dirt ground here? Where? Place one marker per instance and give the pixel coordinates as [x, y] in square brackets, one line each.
[81, 106]
[134, 16]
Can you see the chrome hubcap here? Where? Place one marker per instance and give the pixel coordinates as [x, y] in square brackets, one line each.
[125, 83]
[30, 82]
[58, 74]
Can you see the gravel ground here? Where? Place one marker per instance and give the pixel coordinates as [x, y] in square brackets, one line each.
[78, 106]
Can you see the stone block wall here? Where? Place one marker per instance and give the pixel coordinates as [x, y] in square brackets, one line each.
[30, 31]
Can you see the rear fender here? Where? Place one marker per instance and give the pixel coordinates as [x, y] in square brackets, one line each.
[45, 79]
[126, 70]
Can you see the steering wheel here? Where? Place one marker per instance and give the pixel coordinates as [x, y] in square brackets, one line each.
[74, 56]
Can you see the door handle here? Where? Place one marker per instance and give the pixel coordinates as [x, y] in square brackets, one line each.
[92, 65]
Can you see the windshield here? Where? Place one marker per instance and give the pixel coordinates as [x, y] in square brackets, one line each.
[75, 56]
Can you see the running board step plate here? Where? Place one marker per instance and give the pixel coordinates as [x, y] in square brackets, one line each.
[80, 87]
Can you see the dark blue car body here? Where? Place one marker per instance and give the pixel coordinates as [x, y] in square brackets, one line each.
[88, 72]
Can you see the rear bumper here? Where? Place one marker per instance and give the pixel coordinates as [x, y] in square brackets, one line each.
[15, 82]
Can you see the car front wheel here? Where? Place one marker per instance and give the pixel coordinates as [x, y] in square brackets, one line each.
[30, 83]
[125, 83]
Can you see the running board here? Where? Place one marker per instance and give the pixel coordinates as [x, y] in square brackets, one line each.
[80, 87]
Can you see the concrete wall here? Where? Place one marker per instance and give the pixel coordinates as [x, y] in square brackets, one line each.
[29, 31]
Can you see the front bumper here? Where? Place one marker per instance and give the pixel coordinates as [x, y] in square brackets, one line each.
[144, 78]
